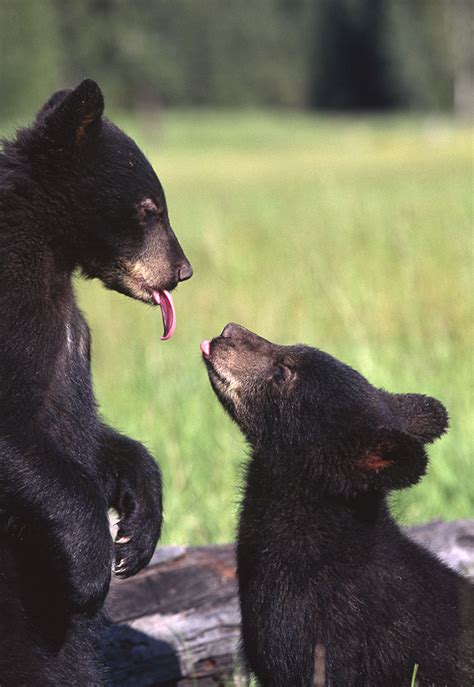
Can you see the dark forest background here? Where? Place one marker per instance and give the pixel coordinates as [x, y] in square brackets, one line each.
[325, 54]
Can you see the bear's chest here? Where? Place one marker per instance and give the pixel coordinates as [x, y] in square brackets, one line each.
[75, 350]
[69, 413]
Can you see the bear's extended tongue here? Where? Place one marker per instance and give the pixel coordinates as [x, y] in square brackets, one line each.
[165, 301]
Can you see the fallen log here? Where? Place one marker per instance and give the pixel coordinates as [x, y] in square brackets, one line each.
[177, 622]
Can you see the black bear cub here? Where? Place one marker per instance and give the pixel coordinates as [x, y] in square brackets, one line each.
[75, 194]
[326, 577]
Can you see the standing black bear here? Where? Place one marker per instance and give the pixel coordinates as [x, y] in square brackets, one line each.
[75, 192]
[323, 569]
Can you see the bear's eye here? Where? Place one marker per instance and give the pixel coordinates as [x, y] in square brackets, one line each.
[150, 212]
[148, 209]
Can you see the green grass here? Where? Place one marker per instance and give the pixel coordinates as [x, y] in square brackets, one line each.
[352, 235]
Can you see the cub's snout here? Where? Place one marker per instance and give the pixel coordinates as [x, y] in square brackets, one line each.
[237, 358]
[247, 373]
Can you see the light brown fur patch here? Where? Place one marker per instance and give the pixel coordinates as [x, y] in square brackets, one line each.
[375, 462]
[140, 270]
[82, 129]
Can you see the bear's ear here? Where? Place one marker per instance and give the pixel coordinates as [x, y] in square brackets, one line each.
[69, 118]
[392, 460]
[423, 417]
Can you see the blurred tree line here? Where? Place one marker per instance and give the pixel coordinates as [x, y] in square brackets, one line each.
[337, 54]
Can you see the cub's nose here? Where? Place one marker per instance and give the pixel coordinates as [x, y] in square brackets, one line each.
[185, 271]
[232, 330]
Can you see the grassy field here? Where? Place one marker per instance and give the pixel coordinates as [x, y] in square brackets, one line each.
[352, 235]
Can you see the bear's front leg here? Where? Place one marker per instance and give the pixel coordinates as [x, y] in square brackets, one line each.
[132, 483]
[54, 517]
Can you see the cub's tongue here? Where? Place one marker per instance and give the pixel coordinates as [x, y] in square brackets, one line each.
[165, 301]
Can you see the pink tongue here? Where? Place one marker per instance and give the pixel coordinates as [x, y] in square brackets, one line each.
[168, 313]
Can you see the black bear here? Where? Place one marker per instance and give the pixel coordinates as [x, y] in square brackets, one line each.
[75, 194]
[326, 577]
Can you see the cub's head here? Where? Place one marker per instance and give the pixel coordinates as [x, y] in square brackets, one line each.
[303, 405]
[104, 199]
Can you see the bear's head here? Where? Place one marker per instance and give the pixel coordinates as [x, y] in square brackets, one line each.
[104, 203]
[300, 404]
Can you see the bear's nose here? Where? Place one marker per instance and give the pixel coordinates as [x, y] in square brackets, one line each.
[185, 271]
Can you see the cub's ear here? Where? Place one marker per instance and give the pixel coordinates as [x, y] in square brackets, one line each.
[423, 417]
[69, 118]
[52, 103]
[392, 460]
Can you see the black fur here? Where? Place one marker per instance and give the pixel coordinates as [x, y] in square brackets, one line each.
[325, 574]
[75, 193]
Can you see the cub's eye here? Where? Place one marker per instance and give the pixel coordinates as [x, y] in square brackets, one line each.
[278, 373]
[281, 374]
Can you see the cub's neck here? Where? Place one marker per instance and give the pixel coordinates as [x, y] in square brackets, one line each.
[282, 483]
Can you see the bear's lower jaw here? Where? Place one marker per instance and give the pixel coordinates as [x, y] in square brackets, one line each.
[129, 286]
[138, 289]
